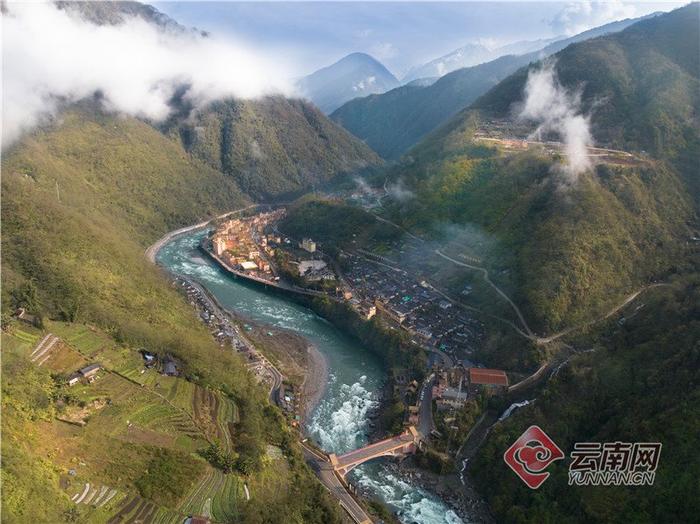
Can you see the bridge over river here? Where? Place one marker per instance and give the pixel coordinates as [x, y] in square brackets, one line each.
[404, 444]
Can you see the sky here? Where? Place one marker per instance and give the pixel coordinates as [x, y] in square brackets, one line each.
[310, 35]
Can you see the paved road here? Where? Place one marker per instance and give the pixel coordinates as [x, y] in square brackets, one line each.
[325, 473]
[426, 424]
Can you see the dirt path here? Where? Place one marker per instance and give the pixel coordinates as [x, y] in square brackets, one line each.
[608, 314]
[498, 290]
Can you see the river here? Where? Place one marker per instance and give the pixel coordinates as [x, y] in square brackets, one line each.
[340, 421]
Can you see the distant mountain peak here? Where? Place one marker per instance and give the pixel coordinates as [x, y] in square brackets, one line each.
[355, 75]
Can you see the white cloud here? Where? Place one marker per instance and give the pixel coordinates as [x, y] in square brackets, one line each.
[580, 16]
[51, 57]
[555, 109]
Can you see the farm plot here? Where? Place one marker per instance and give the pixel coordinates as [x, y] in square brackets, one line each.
[135, 414]
[85, 339]
[139, 510]
[64, 359]
[19, 342]
[225, 503]
[200, 500]
[216, 412]
[26, 336]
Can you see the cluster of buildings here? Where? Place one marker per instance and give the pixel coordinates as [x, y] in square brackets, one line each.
[417, 307]
[453, 387]
[315, 270]
[223, 329]
[242, 243]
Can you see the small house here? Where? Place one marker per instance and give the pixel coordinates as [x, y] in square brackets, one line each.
[74, 379]
[90, 372]
[169, 368]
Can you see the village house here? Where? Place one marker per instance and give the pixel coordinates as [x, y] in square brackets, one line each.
[169, 367]
[491, 378]
[88, 373]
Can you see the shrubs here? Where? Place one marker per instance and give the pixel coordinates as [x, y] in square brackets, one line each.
[169, 476]
[218, 458]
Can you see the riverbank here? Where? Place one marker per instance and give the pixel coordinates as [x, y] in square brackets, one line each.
[460, 497]
[315, 382]
[300, 361]
[348, 387]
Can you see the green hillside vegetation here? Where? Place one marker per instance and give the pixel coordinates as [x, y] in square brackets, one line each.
[393, 122]
[575, 253]
[640, 384]
[274, 146]
[81, 201]
[579, 249]
[645, 91]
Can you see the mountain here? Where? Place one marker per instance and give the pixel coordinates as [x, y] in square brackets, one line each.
[636, 382]
[645, 93]
[117, 12]
[82, 199]
[353, 76]
[471, 55]
[391, 123]
[578, 254]
[272, 146]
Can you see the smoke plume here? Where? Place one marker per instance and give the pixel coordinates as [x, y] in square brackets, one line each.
[51, 57]
[555, 109]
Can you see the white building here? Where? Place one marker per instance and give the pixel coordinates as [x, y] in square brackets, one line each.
[309, 245]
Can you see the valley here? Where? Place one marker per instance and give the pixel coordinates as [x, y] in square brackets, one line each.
[237, 291]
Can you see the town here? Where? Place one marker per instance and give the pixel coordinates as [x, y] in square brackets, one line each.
[252, 247]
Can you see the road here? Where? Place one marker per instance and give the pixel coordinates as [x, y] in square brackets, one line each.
[426, 424]
[218, 310]
[326, 474]
[608, 314]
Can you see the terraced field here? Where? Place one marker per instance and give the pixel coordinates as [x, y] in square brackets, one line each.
[216, 496]
[139, 510]
[65, 360]
[216, 412]
[131, 411]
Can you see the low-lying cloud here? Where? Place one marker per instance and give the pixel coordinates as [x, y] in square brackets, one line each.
[582, 15]
[51, 57]
[399, 192]
[556, 109]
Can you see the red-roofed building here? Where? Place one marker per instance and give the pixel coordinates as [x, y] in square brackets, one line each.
[488, 377]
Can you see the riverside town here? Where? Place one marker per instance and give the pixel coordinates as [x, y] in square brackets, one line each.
[350, 262]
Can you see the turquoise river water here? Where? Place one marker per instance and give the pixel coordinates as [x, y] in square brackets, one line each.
[340, 421]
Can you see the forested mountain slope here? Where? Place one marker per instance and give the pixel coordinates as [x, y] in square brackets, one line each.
[579, 246]
[393, 122]
[273, 146]
[82, 199]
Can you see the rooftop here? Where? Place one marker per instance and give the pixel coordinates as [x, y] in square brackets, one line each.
[496, 377]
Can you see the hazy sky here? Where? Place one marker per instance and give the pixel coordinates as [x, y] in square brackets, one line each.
[309, 35]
